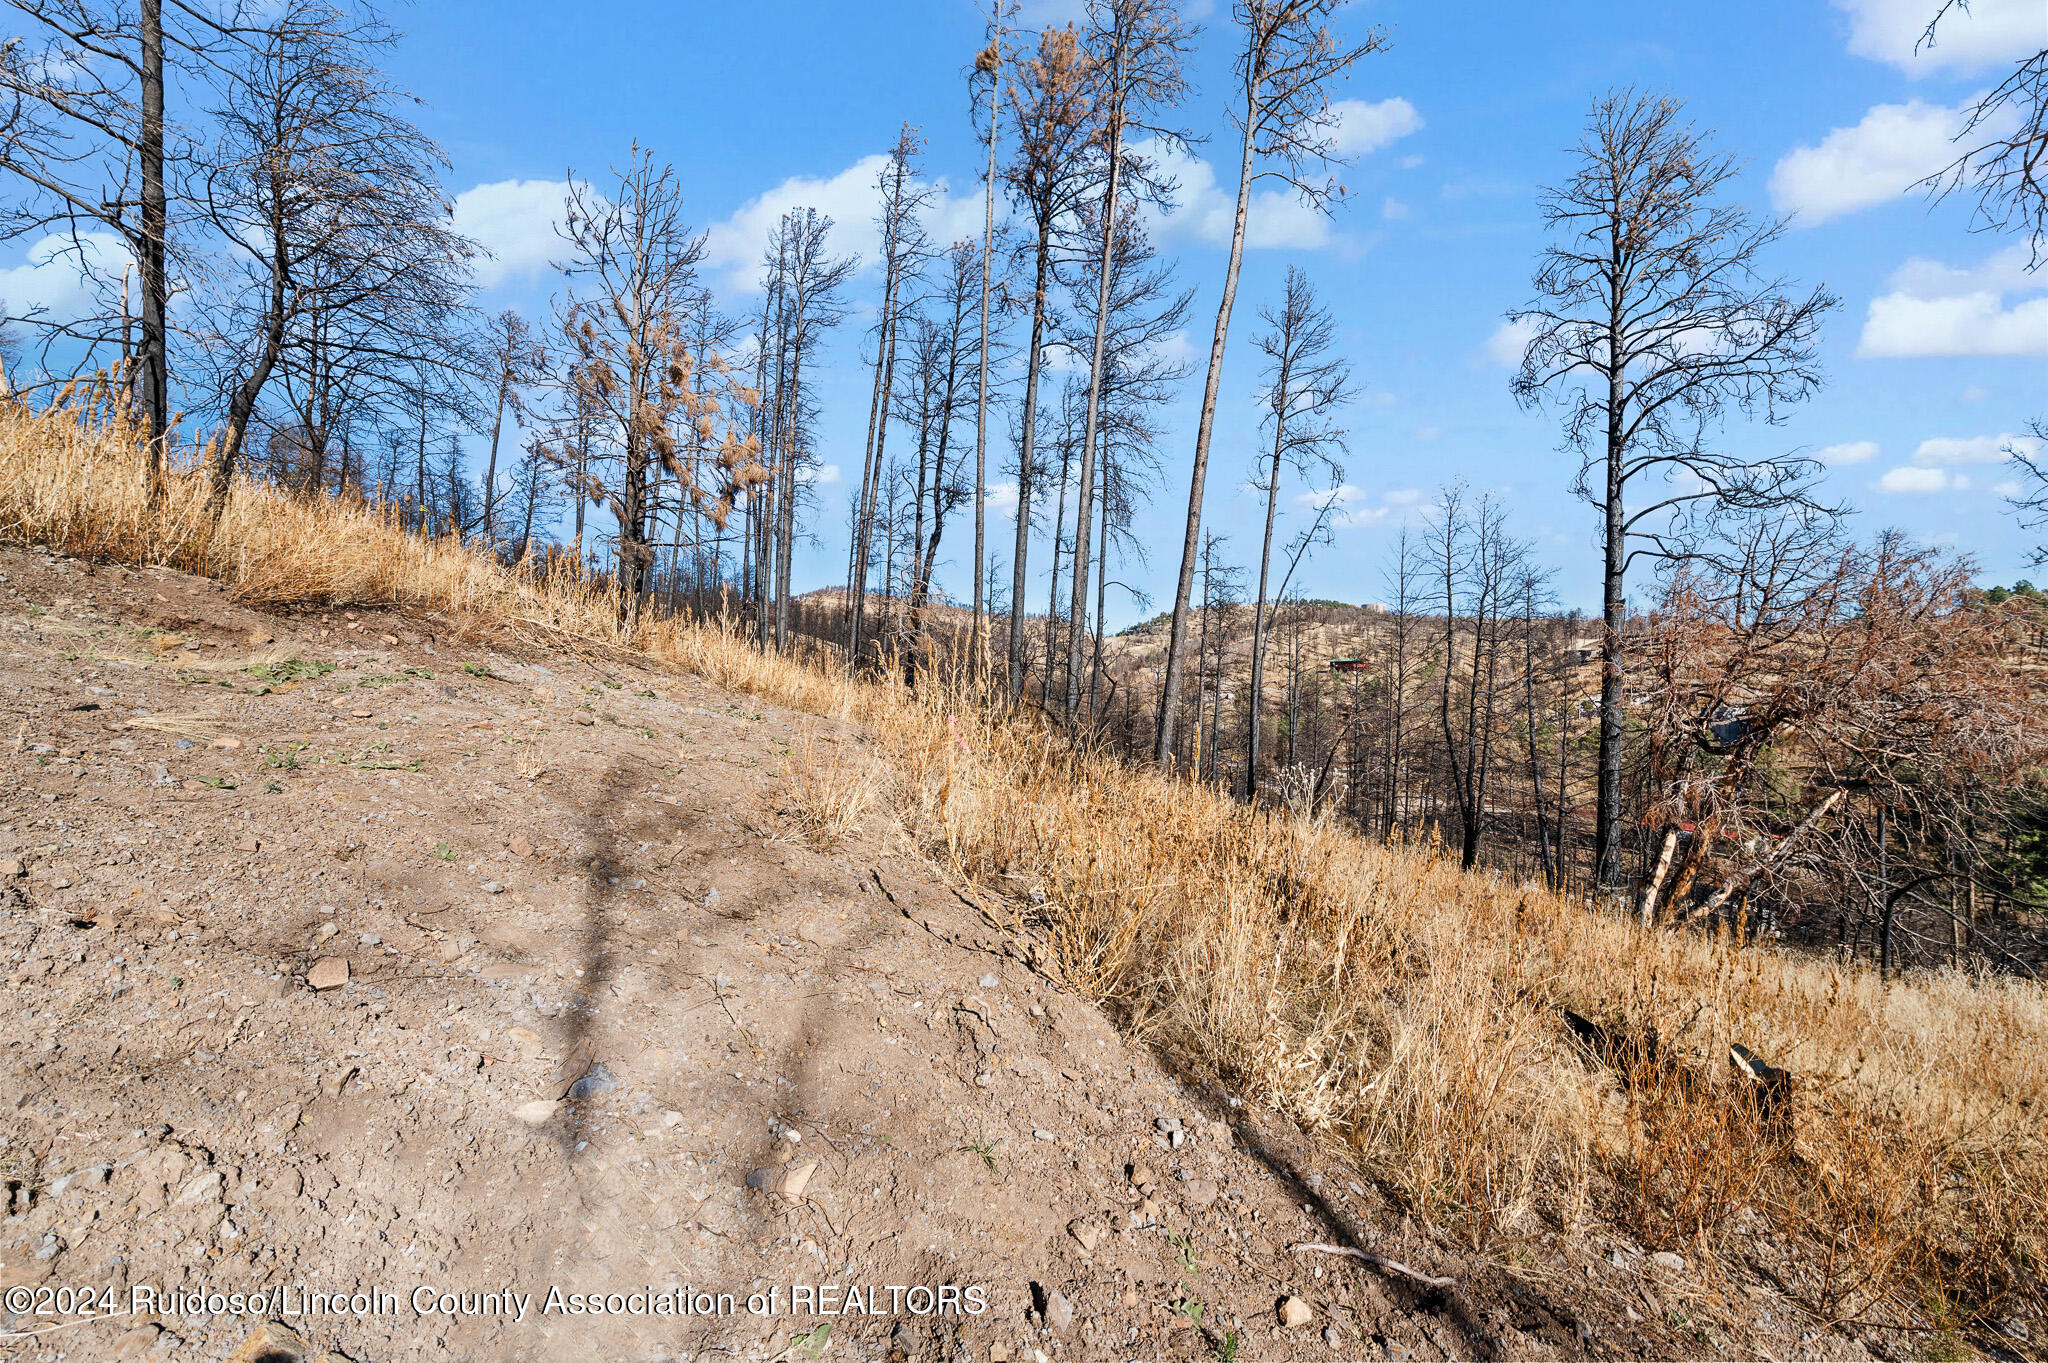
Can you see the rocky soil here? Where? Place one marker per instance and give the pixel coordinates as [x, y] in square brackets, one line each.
[357, 954]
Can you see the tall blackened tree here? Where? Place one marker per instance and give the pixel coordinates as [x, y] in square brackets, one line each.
[1653, 321]
[636, 261]
[338, 232]
[1052, 114]
[1138, 48]
[1306, 382]
[1289, 59]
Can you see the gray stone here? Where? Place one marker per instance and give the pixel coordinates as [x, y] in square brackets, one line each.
[595, 1080]
[1059, 1312]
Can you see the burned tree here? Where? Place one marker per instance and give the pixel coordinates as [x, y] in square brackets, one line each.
[1653, 322]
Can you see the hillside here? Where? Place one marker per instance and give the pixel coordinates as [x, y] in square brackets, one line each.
[668, 963]
[543, 871]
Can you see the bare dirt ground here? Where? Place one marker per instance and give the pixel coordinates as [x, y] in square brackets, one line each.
[360, 954]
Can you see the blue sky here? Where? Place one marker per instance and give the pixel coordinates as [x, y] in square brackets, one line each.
[1936, 356]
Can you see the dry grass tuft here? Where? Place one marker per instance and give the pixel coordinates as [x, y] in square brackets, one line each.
[193, 724]
[829, 791]
[1380, 996]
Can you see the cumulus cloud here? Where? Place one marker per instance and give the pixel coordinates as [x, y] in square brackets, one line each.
[62, 282]
[824, 475]
[1891, 150]
[1363, 127]
[1393, 210]
[1850, 452]
[1508, 341]
[1935, 310]
[1946, 452]
[514, 220]
[734, 246]
[1989, 33]
[1276, 219]
[1917, 480]
[1002, 499]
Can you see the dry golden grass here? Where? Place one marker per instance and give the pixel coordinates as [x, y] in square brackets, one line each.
[829, 790]
[1381, 997]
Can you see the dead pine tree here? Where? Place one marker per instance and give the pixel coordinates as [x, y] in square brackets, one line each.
[86, 83]
[2005, 152]
[330, 205]
[989, 67]
[1306, 382]
[810, 283]
[905, 249]
[516, 363]
[1052, 117]
[635, 259]
[1653, 321]
[1289, 60]
[1138, 48]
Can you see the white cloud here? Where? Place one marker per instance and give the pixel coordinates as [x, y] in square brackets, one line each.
[1850, 452]
[2008, 489]
[1976, 392]
[1912, 480]
[1936, 310]
[515, 221]
[1363, 127]
[1276, 219]
[49, 276]
[1002, 499]
[734, 247]
[1891, 150]
[1991, 32]
[1945, 452]
[1508, 341]
[1393, 210]
[1411, 162]
[824, 475]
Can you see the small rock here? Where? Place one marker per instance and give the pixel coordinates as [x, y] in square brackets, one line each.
[226, 744]
[1086, 1234]
[1059, 1312]
[493, 887]
[363, 714]
[1669, 1262]
[1331, 1337]
[1043, 1135]
[249, 844]
[1199, 1194]
[371, 939]
[260, 636]
[537, 1112]
[50, 1247]
[13, 866]
[329, 972]
[989, 981]
[134, 1343]
[580, 718]
[272, 1343]
[1294, 1312]
[520, 845]
[793, 1181]
[1142, 1177]
[185, 743]
[595, 1080]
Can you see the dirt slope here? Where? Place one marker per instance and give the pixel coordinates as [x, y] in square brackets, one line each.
[610, 1024]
